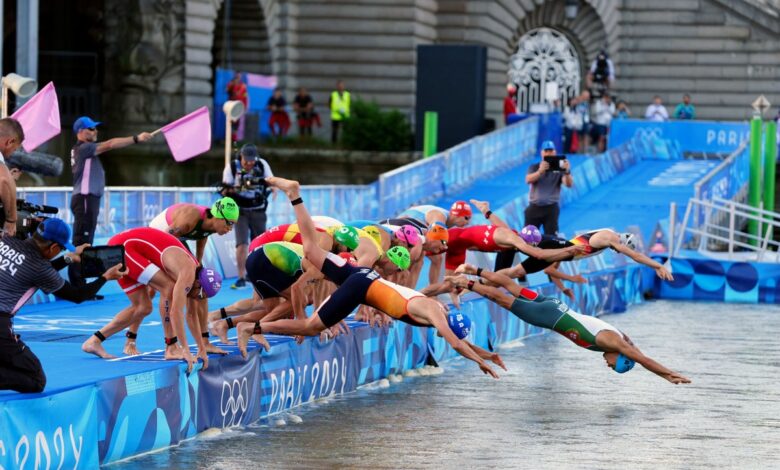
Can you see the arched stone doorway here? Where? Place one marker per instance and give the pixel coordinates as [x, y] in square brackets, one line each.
[545, 63]
[566, 45]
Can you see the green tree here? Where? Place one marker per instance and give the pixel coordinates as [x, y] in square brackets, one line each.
[370, 128]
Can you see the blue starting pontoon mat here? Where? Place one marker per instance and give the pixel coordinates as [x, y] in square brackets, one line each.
[55, 331]
[639, 196]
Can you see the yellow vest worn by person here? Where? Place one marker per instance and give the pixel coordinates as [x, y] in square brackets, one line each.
[339, 106]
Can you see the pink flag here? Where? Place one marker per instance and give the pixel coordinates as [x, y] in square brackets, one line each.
[39, 117]
[260, 81]
[189, 136]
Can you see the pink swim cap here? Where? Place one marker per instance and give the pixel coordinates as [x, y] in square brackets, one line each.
[407, 233]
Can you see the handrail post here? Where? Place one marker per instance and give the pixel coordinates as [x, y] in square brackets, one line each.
[731, 230]
[672, 222]
[683, 227]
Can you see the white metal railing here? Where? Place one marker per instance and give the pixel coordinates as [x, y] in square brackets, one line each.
[730, 234]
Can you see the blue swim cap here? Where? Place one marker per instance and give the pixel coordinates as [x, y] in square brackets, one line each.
[623, 364]
[460, 324]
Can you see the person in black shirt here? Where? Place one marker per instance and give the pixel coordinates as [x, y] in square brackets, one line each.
[25, 266]
[279, 122]
[304, 110]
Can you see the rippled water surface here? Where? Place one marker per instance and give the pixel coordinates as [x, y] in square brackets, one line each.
[559, 406]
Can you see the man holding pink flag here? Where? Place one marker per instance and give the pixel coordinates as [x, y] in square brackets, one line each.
[89, 181]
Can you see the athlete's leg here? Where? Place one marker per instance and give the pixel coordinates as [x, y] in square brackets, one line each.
[311, 249]
[221, 327]
[491, 293]
[140, 307]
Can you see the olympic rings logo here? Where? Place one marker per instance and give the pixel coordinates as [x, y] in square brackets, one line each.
[234, 402]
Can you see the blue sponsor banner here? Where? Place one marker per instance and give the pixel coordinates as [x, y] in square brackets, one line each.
[146, 411]
[721, 281]
[229, 392]
[55, 431]
[687, 136]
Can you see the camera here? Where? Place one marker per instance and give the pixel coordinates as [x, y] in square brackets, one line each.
[28, 216]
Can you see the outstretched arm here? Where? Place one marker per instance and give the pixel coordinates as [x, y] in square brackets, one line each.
[496, 279]
[611, 341]
[439, 321]
[488, 292]
[641, 258]
[487, 355]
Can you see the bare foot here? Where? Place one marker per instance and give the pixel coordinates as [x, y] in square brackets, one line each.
[220, 329]
[210, 348]
[482, 206]
[130, 349]
[214, 316]
[262, 341]
[94, 346]
[457, 281]
[244, 333]
[466, 269]
[174, 351]
[290, 187]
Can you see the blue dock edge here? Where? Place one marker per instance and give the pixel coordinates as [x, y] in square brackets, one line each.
[107, 420]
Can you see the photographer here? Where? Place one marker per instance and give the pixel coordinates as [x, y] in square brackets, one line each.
[244, 182]
[29, 267]
[11, 137]
[543, 209]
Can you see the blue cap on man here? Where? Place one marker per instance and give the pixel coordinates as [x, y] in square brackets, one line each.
[57, 231]
[84, 122]
[548, 145]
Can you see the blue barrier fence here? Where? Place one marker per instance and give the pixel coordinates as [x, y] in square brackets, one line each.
[456, 167]
[128, 207]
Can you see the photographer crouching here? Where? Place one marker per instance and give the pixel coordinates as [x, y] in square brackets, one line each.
[244, 181]
[28, 264]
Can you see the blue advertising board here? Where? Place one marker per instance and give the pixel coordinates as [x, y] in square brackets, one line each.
[688, 136]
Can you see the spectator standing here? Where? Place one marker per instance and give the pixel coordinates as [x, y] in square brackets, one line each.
[279, 121]
[303, 105]
[572, 125]
[583, 111]
[685, 110]
[510, 103]
[656, 111]
[601, 76]
[236, 91]
[622, 111]
[89, 181]
[11, 137]
[244, 182]
[340, 106]
[543, 209]
[603, 111]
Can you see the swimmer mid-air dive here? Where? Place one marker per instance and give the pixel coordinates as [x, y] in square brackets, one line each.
[547, 312]
[362, 285]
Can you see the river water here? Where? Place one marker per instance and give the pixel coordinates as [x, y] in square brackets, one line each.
[559, 406]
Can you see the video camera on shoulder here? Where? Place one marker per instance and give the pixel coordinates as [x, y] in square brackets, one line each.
[555, 162]
[28, 216]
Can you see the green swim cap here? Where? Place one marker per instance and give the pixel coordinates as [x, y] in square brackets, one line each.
[225, 208]
[400, 257]
[347, 236]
